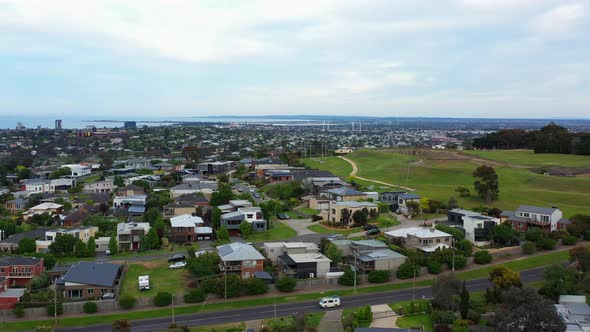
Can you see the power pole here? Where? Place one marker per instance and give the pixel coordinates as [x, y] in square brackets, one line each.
[55, 305]
[355, 267]
[274, 298]
[173, 296]
[453, 243]
[414, 284]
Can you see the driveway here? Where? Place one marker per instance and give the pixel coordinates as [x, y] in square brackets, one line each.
[403, 223]
[300, 226]
[332, 322]
[383, 316]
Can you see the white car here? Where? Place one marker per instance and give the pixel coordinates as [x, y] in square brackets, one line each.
[178, 265]
[330, 302]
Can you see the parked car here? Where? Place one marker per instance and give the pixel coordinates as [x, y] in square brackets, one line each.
[107, 252]
[283, 216]
[373, 231]
[369, 226]
[176, 258]
[108, 296]
[178, 265]
[330, 302]
[256, 195]
[336, 237]
[240, 189]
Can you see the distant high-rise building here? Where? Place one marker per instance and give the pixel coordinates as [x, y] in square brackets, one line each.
[57, 124]
[20, 126]
[130, 125]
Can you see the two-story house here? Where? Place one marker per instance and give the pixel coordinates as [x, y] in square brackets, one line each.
[15, 205]
[130, 190]
[298, 259]
[99, 187]
[19, 271]
[251, 215]
[345, 194]
[369, 255]
[342, 211]
[391, 198]
[403, 200]
[129, 234]
[78, 215]
[185, 204]
[477, 227]
[206, 188]
[240, 258]
[525, 216]
[49, 208]
[83, 233]
[89, 280]
[188, 228]
[427, 239]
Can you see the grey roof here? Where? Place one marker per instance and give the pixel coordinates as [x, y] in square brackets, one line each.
[233, 215]
[344, 192]
[18, 260]
[13, 292]
[136, 209]
[536, 209]
[370, 243]
[564, 221]
[236, 251]
[34, 234]
[263, 275]
[512, 216]
[195, 186]
[380, 254]
[409, 196]
[92, 273]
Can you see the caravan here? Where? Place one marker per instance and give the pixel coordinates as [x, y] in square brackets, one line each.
[144, 282]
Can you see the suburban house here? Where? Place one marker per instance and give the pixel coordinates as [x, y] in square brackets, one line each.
[305, 265]
[9, 297]
[39, 187]
[185, 204]
[49, 208]
[15, 205]
[525, 216]
[77, 170]
[343, 150]
[83, 233]
[18, 271]
[477, 227]
[345, 194]
[427, 239]
[102, 243]
[135, 204]
[341, 212]
[403, 200]
[216, 167]
[99, 187]
[206, 188]
[321, 184]
[240, 258]
[78, 215]
[10, 244]
[391, 198]
[370, 255]
[185, 228]
[89, 280]
[251, 215]
[130, 190]
[234, 205]
[96, 198]
[129, 234]
[574, 312]
[272, 250]
[134, 163]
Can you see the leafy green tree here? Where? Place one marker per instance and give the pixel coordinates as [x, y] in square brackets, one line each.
[503, 234]
[453, 204]
[534, 234]
[463, 192]
[465, 247]
[580, 256]
[206, 264]
[152, 240]
[223, 234]
[222, 196]
[23, 172]
[160, 228]
[360, 217]
[379, 276]
[445, 288]
[62, 171]
[142, 183]
[559, 280]
[80, 249]
[152, 215]
[119, 182]
[113, 246]
[254, 286]
[91, 247]
[482, 257]
[525, 310]
[26, 245]
[503, 278]
[216, 217]
[464, 303]
[245, 229]
[63, 245]
[408, 269]
[286, 284]
[347, 279]
[333, 253]
[486, 183]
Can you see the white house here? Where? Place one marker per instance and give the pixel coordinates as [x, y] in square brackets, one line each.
[404, 199]
[477, 227]
[99, 187]
[77, 170]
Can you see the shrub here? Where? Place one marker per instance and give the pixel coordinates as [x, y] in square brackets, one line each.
[19, 310]
[379, 276]
[365, 314]
[211, 285]
[347, 279]
[528, 248]
[547, 244]
[90, 307]
[407, 270]
[127, 301]
[465, 247]
[195, 296]
[162, 299]
[587, 235]
[286, 284]
[52, 309]
[443, 317]
[434, 266]
[534, 234]
[460, 262]
[474, 316]
[569, 240]
[482, 257]
[254, 286]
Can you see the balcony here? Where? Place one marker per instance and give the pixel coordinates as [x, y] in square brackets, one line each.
[21, 274]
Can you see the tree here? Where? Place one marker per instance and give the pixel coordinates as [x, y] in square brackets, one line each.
[286, 284]
[80, 249]
[142, 183]
[486, 183]
[91, 247]
[464, 246]
[425, 204]
[152, 241]
[452, 204]
[408, 269]
[444, 289]
[223, 234]
[503, 278]
[222, 196]
[22, 172]
[534, 234]
[413, 207]
[580, 256]
[379, 276]
[26, 245]
[113, 246]
[152, 215]
[195, 296]
[360, 218]
[464, 302]
[245, 229]
[524, 310]
[216, 217]
[63, 245]
[204, 265]
[333, 253]
[528, 248]
[482, 257]
[347, 279]
[503, 234]
[162, 299]
[559, 280]
[160, 228]
[463, 191]
[119, 182]
[254, 286]
[345, 215]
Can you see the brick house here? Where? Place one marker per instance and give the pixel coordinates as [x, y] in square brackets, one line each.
[185, 204]
[18, 271]
[525, 216]
[9, 296]
[129, 234]
[89, 280]
[15, 205]
[241, 259]
[184, 228]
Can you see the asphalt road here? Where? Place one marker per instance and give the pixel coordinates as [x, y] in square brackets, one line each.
[266, 312]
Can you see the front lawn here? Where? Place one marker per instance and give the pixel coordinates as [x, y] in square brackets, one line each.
[385, 220]
[415, 321]
[319, 228]
[162, 278]
[279, 231]
[309, 211]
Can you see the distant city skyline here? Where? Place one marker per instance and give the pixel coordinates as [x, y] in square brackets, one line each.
[382, 58]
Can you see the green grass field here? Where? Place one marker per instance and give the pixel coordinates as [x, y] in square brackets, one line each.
[279, 231]
[438, 180]
[162, 278]
[423, 320]
[335, 165]
[309, 211]
[529, 158]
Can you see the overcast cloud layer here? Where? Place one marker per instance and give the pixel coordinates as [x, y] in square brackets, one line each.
[461, 58]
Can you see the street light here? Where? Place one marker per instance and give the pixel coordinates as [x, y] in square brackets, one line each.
[355, 253]
[453, 244]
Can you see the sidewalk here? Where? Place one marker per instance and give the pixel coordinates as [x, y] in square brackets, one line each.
[383, 316]
[331, 322]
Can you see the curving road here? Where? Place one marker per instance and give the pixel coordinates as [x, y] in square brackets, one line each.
[268, 311]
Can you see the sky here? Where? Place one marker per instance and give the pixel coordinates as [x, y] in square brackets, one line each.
[435, 58]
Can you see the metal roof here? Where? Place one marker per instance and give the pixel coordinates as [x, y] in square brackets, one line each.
[344, 192]
[535, 209]
[185, 220]
[420, 232]
[93, 273]
[236, 251]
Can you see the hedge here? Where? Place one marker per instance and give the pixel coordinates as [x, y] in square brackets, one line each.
[482, 257]
[162, 299]
[127, 301]
[90, 307]
[195, 296]
[379, 276]
[286, 284]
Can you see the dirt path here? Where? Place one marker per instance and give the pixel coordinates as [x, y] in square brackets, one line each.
[355, 170]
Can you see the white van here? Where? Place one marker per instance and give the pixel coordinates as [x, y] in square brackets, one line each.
[144, 282]
[330, 302]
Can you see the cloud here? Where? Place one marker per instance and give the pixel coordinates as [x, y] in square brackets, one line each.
[560, 22]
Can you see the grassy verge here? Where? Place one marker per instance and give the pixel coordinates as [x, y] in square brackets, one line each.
[279, 231]
[526, 263]
[162, 279]
[220, 328]
[385, 220]
[350, 311]
[423, 320]
[319, 228]
[309, 211]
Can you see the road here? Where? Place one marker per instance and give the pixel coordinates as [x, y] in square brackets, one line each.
[268, 311]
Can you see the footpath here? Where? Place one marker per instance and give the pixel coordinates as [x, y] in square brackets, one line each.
[355, 170]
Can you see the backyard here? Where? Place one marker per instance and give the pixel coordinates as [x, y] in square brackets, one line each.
[279, 231]
[162, 279]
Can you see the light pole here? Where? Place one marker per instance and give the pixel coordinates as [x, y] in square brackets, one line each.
[274, 299]
[173, 296]
[355, 268]
[225, 283]
[453, 243]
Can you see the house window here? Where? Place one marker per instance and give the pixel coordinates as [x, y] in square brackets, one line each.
[103, 290]
[479, 226]
[90, 291]
[447, 240]
[545, 218]
[437, 240]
